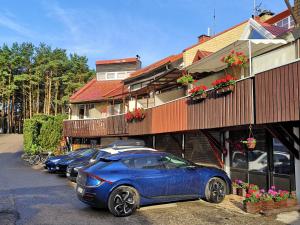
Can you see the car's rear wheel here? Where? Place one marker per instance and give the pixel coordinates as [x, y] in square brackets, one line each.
[215, 190]
[123, 201]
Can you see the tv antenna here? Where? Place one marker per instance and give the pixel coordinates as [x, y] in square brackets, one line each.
[214, 23]
[256, 8]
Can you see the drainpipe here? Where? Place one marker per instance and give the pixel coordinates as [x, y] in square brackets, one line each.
[297, 166]
[227, 157]
[250, 58]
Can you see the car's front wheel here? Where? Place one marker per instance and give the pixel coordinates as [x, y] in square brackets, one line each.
[123, 201]
[215, 190]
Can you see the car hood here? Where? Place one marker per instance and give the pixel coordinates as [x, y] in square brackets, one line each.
[60, 157]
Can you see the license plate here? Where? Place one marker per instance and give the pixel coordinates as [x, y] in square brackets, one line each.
[68, 174]
[80, 190]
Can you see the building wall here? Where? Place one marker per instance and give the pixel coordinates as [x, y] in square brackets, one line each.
[169, 96]
[215, 43]
[99, 110]
[275, 58]
[117, 67]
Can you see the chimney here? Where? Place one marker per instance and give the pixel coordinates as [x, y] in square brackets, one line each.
[265, 15]
[203, 38]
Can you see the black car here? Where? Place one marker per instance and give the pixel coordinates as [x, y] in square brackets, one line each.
[62, 165]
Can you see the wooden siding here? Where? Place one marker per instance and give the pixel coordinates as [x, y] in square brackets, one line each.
[143, 127]
[223, 111]
[117, 125]
[277, 94]
[170, 117]
[85, 128]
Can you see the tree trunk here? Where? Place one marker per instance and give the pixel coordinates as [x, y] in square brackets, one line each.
[38, 99]
[49, 95]
[56, 96]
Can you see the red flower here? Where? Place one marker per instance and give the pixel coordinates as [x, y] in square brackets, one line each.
[248, 195]
[232, 51]
[250, 191]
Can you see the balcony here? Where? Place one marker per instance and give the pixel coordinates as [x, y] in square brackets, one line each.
[232, 109]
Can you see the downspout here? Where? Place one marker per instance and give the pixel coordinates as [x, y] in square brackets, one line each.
[250, 58]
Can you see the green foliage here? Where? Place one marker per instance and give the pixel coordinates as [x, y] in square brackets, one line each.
[43, 133]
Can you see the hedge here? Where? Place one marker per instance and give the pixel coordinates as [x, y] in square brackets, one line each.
[42, 133]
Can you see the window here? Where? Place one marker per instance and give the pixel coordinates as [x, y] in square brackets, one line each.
[101, 76]
[144, 163]
[121, 75]
[110, 76]
[81, 112]
[287, 22]
[172, 162]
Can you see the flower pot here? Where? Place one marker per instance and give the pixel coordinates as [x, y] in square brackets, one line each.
[291, 202]
[252, 207]
[279, 204]
[225, 90]
[241, 192]
[251, 144]
[199, 97]
[267, 205]
[234, 190]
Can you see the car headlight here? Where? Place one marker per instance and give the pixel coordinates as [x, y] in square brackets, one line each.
[55, 160]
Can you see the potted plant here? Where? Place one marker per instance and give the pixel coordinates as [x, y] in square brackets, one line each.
[198, 92]
[266, 200]
[250, 142]
[129, 116]
[224, 85]
[252, 203]
[236, 61]
[253, 188]
[280, 200]
[139, 114]
[291, 200]
[185, 79]
[235, 186]
[240, 187]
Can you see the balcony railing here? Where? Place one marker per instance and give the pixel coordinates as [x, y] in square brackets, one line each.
[233, 109]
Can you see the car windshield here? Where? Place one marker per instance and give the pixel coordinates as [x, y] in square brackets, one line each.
[100, 155]
[254, 155]
[76, 152]
[87, 152]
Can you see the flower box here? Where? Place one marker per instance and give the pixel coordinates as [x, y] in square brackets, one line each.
[225, 90]
[253, 207]
[199, 97]
[267, 205]
[279, 204]
[290, 202]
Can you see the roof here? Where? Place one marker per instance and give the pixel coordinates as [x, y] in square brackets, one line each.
[201, 54]
[94, 91]
[275, 30]
[155, 65]
[118, 91]
[278, 17]
[117, 61]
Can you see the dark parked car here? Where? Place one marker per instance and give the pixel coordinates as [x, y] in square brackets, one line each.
[123, 182]
[52, 162]
[72, 170]
[62, 165]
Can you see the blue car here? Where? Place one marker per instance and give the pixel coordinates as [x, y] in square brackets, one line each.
[52, 162]
[62, 165]
[125, 181]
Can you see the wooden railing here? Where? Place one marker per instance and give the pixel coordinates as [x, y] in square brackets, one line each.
[233, 109]
[277, 94]
[85, 128]
[117, 125]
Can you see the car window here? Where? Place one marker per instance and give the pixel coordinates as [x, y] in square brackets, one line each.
[100, 154]
[152, 162]
[172, 162]
[87, 152]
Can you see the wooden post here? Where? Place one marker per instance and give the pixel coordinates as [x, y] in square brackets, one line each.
[113, 107]
[135, 101]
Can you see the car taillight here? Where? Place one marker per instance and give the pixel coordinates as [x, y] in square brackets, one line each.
[94, 180]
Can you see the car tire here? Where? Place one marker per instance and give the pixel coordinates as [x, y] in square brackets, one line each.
[215, 190]
[123, 201]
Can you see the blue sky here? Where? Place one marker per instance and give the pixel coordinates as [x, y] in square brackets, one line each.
[102, 29]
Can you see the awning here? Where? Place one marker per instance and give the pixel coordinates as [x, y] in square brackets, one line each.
[251, 48]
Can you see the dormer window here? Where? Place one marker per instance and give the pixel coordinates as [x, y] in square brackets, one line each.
[119, 75]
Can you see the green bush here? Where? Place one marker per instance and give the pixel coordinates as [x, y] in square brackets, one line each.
[43, 133]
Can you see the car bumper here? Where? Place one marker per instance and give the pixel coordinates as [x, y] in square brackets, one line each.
[96, 197]
[71, 174]
[51, 167]
[61, 169]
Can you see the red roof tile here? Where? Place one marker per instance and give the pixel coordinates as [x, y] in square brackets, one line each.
[156, 65]
[117, 61]
[117, 92]
[275, 30]
[278, 17]
[94, 91]
[201, 54]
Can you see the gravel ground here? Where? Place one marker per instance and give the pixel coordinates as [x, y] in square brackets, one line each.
[38, 197]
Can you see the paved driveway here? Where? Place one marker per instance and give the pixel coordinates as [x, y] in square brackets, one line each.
[42, 198]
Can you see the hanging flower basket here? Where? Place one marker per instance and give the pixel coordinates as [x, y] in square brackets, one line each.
[225, 90]
[250, 142]
[185, 79]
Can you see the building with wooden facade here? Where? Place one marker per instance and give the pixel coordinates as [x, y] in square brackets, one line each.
[263, 104]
